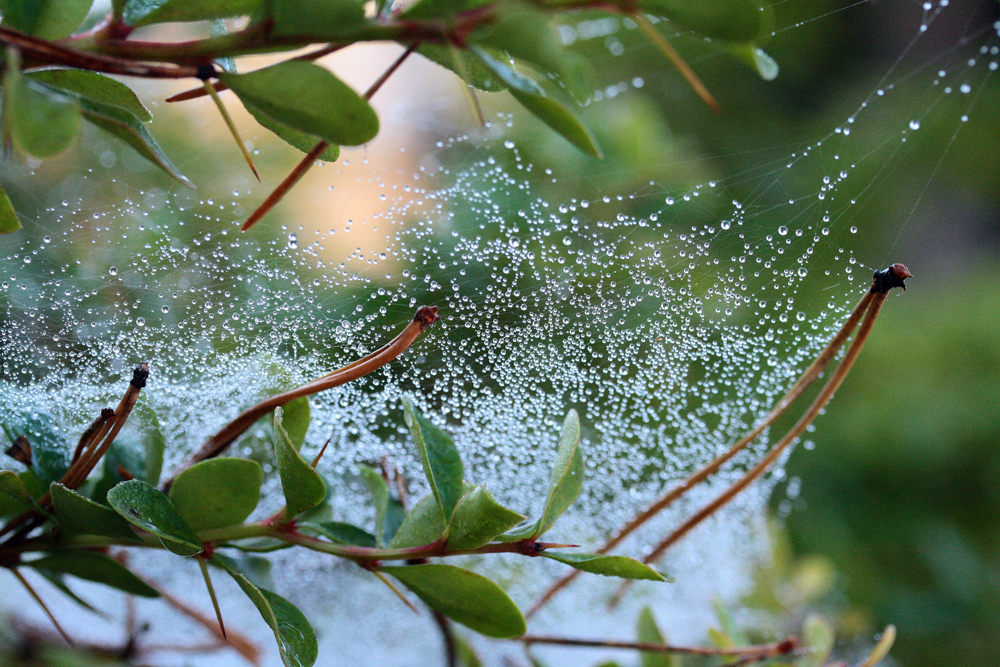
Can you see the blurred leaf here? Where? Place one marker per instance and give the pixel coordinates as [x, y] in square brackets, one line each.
[77, 515]
[154, 444]
[324, 20]
[42, 121]
[300, 140]
[732, 20]
[93, 86]
[729, 626]
[296, 638]
[608, 566]
[8, 218]
[342, 533]
[478, 519]
[14, 498]
[534, 99]
[423, 525]
[144, 506]
[303, 487]
[430, 9]
[295, 420]
[720, 639]
[217, 492]
[648, 632]
[307, 98]
[464, 597]
[47, 19]
[476, 74]
[254, 568]
[467, 656]
[49, 451]
[96, 567]
[882, 648]
[58, 581]
[817, 640]
[198, 10]
[440, 458]
[751, 54]
[567, 474]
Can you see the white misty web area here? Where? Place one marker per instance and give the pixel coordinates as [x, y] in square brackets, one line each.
[670, 337]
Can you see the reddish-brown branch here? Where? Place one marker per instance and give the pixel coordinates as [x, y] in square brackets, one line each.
[758, 652]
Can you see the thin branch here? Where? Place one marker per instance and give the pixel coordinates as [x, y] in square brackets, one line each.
[760, 652]
[448, 635]
[426, 315]
[41, 603]
[677, 60]
[307, 162]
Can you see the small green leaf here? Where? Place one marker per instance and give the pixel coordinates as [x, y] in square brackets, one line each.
[77, 515]
[8, 218]
[379, 491]
[127, 454]
[340, 532]
[464, 597]
[142, 505]
[732, 20]
[93, 86]
[567, 474]
[48, 449]
[467, 656]
[44, 122]
[440, 458]
[729, 625]
[534, 99]
[300, 140]
[647, 632]
[47, 19]
[296, 638]
[309, 99]
[217, 492]
[173, 11]
[817, 639]
[322, 20]
[475, 73]
[478, 519]
[754, 56]
[96, 567]
[154, 444]
[608, 566]
[423, 525]
[295, 420]
[12, 489]
[303, 487]
[882, 648]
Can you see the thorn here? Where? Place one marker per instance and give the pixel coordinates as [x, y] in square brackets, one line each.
[211, 593]
[232, 126]
[321, 452]
[395, 590]
[45, 608]
[677, 61]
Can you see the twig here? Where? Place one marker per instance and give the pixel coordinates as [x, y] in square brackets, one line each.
[211, 594]
[760, 652]
[426, 315]
[41, 603]
[307, 162]
[451, 652]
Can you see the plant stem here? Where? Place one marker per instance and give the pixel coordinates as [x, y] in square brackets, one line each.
[677, 60]
[760, 652]
[41, 603]
[451, 654]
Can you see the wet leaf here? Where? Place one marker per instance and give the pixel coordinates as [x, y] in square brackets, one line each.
[300, 140]
[464, 597]
[95, 87]
[142, 505]
[440, 458]
[43, 121]
[732, 20]
[478, 519]
[296, 638]
[303, 487]
[751, 54]
[96, 567]
[77, 515]
[309, 99]
[295, 417]
[8, 218]
[217, 492]
[476, 74]
[608, 566]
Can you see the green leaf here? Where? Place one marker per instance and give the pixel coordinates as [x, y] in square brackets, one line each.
[125, 453]
[754, 56]
[467, 656]
[475, 73]
[43, 121]
[8, 218]
[430, 9]
[389, 513]
[96, 567]
[295, 420]
[322, 20]
[59, 582]
[307, 98]
[198, 10]
[217, 492]
[127, 127]
[255, 568]
[567, 474]
[303, 487]
[882, 648]
[143, 506]
[423, 525]
[340, 532]
[77, 515]
[47, 19]
[478, 519]
[464, 597]
[440, 458]
[154, 444]
[732, 20]
[608, 566]
[95, 87]
[300, 140]
[14, 498]
[729, 625]
[296, 638]
[533, 98]
[647, 632]
[49, 451]
[817, 640]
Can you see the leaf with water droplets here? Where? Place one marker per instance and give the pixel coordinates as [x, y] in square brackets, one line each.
[8, 218]
[144, 506]
[731, 20]
[77, 515]
[442, 463]
[302, 485]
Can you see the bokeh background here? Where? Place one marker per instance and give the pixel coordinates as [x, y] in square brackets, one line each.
[895, 507]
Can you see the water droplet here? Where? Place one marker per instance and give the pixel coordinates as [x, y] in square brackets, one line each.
[112, 270]
[854, 230]
[165, 309]
[914, 124]
[140, 321]
[783, 230]
[293, 241]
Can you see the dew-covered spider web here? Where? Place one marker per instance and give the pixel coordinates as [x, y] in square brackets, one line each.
[671, 317]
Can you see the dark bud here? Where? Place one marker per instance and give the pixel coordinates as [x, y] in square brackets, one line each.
[139, 375]
[894, 276]
[20, 451]
[427, 315]
[206, 71]
[106, 414]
